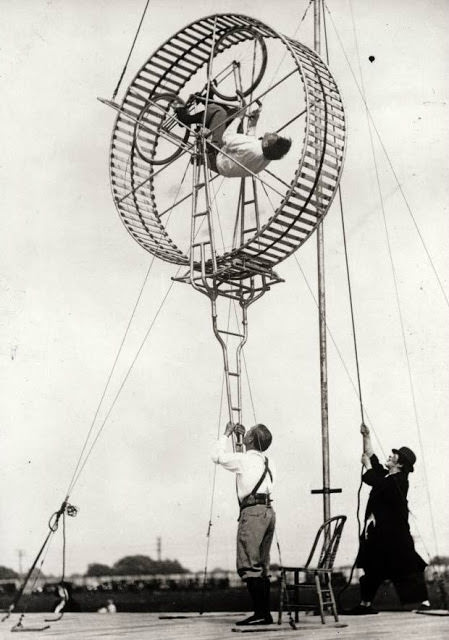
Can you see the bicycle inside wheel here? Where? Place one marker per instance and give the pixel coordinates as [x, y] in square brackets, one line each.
[238, 63]
[258, 220]
[171, 136]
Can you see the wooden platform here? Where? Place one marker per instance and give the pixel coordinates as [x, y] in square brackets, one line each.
[215, 626]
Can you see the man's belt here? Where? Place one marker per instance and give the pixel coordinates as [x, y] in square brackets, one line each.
[256, 498]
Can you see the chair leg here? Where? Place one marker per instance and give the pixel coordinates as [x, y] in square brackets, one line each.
[333, 603]
[320, 597]
[281, 596]
[297, 596]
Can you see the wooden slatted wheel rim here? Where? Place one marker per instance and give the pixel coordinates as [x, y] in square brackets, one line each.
[300, 99]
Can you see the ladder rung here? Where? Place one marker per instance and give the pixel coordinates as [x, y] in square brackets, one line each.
[249, 202]
[231, 333]
[231, 373]
[236, 408]
[201, 213]
[250, 230]
[199, 185]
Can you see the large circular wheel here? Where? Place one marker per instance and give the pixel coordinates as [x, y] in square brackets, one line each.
[261, 219]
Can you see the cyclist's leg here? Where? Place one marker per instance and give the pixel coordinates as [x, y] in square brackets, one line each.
[216, 121]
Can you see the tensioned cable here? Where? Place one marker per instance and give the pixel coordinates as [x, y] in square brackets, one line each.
[345, 245]
[80, 468]
[354, 336]
[270, 83]
[396, 289]
[325, 32]
[289, 609]
[351, 305]
[340, 355]
[214, 481]
[119, 351]
[124, 381]
[117, 356]
[34, 574]
[131, 50]
[248, 382]
[390, 162]
[368, 419]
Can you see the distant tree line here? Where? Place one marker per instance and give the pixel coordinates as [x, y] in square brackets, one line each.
[5, 573]
[135, 565]
[438, 560]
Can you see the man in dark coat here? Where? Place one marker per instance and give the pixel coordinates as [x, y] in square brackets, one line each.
[387, 550]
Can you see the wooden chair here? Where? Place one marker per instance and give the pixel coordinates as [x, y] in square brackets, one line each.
[319, 567]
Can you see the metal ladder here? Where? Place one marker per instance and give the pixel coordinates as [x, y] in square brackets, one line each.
[242, 282]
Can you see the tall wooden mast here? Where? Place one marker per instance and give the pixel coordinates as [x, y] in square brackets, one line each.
[322, 315]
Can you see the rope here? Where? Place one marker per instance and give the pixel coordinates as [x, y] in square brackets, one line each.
[357, 388]
[53, 523]
[369, 114]
[351, 305]
[337, 349]
[289, 609]
[108, 380]
[270, 84]
[77, 470]
[130, 52]
[354, 335]
[396, 289]
[64, 544]
[359, 533]
[214, 480]
[325, 31]
[249, 386]
[123, 382]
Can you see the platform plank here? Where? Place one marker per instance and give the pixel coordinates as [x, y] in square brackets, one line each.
[218, 626]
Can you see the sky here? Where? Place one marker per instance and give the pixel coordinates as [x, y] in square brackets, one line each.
[70, 276]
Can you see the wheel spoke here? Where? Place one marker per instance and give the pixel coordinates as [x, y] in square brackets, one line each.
[176, 202]
[301, 113]
[152, 175]
[273, 175]
[256, 98]
[189, 195]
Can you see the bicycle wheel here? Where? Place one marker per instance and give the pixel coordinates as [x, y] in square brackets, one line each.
[159, 138]
[238, 63]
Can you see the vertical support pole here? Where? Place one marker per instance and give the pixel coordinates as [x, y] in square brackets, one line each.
[242, 210]
[322, 317]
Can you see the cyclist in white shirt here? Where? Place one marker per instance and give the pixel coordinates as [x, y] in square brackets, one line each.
[232, 153]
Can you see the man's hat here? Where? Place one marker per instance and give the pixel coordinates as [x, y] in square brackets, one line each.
[407, 455]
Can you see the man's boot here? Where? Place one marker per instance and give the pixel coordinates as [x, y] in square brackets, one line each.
[258, 591]
[267, 601]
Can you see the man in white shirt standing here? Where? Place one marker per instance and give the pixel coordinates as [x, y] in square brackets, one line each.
[257, 518]
[232, 153]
